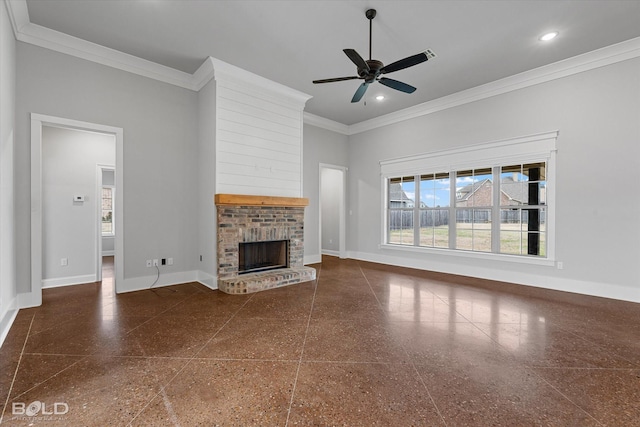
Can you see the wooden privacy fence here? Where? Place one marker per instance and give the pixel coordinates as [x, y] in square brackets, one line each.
[403, 218]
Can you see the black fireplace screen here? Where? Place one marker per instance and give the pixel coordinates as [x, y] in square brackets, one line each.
[262, 256]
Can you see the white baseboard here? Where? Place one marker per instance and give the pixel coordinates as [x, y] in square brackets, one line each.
[596, 289]
[208, 280]
[108, 253]
[312, 259]
[331, 252]
[67, 281]
[166, 279]
[7, 318]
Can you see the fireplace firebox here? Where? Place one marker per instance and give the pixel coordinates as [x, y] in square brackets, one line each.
[262, 256]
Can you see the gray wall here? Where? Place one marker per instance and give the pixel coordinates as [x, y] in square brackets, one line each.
[160, 152]
[598, 116]
[70, 229]
[320, 146]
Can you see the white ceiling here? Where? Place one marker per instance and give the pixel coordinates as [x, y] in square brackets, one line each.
[295, 42]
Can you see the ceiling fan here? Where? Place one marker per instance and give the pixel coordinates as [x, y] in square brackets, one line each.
[370, 70]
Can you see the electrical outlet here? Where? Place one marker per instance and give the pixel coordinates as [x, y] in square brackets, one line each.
[149, 263]
[560, 265]
[155, 262]
[64, 262]
[170, 261]
[163, 261]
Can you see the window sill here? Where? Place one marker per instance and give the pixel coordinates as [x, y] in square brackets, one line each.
[520, 259]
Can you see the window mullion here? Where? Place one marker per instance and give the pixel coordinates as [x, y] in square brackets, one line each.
[452, 210]
[416, 212]
[495, 211]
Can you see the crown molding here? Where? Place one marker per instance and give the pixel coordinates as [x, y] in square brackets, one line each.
[27, 32]
[321, 122]
[257, 85]
[588, 61]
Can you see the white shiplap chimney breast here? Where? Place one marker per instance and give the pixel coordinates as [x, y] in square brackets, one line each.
[259, 127]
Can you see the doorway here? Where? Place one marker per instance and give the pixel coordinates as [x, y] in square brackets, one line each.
[58, 257]
[332, 210]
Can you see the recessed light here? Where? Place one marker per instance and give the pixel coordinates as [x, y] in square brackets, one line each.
[548, 36]
[380, 97]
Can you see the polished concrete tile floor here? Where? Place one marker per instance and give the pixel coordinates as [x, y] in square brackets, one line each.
[363, 345]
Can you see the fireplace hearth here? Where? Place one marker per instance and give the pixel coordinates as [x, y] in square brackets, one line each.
[260, 243]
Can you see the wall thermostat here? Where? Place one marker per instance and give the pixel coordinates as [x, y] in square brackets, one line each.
[78, 198]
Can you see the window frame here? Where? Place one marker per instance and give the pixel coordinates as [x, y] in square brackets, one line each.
[112, 233]
[494, 155]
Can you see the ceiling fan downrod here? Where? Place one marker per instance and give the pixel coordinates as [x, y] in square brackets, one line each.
[370, 14]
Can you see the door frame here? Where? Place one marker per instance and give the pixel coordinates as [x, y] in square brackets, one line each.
[37, 122]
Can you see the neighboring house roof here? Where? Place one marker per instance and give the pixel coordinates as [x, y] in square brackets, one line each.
[397, 195]
[514, 190]
[464, 193]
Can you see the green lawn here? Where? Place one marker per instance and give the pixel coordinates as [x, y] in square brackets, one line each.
[471, 237]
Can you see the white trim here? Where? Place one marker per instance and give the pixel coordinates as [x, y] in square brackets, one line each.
[68, 281]
[537, 147]
[7, 320]
[588, 61]
[321, 122]
[312, 259]
[208, 280]
[261, 86]
[596, 289]
[27, 32]
[34, 297]
[499, 151]
[166, 279]
[520, 259]
[331, 253]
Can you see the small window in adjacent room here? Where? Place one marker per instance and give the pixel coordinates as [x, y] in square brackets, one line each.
[107, 211]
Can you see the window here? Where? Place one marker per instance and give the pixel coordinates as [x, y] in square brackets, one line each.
[107, 211]
[495, 201]
[435, 199]
[522, 209]
[401, 195]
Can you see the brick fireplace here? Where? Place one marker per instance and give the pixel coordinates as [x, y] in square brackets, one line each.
[243, 220]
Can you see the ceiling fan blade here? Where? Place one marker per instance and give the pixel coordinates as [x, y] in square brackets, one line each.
[360, 92]
[407, 62]
[336, 79]
[395, 84]
[356, 59]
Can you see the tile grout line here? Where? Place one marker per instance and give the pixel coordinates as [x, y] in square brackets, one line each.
[15, 373]
[163, 388]
[411, 362]
[304, 342]
[525, 366]
[85, 356]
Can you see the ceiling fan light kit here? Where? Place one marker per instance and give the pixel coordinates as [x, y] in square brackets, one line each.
[371, 70]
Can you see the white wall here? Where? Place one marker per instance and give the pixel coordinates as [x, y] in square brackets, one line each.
[320, 146]
[207, 184]
[160, 156]
[70, 229]
[597, 113]
[7, 147]
[258, 142]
